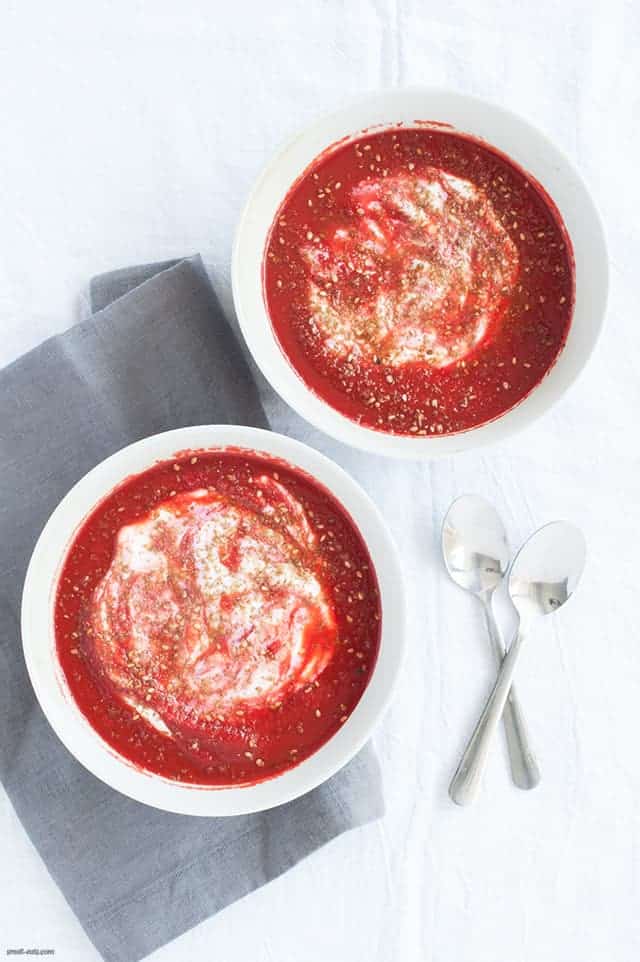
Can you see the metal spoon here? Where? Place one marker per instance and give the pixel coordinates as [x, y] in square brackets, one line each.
[476, 554]
[544, 575]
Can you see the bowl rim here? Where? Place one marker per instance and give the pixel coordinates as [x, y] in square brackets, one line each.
[499, 127]
[58, 704]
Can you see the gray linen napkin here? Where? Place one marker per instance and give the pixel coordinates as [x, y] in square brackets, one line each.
[157, 355]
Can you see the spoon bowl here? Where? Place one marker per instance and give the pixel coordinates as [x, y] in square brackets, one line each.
[547, 569]
[474, 544]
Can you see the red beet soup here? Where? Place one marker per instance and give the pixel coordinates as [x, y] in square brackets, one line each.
[217, 617]
[419, 281]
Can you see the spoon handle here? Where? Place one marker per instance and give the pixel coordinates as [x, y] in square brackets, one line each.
[465, 784]
[524, 767]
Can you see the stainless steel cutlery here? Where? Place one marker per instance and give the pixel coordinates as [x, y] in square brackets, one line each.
[543, 577]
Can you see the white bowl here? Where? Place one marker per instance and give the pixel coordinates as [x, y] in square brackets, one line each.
[48, 679]
[504, 130]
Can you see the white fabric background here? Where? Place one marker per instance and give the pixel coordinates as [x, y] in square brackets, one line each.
[131, 132]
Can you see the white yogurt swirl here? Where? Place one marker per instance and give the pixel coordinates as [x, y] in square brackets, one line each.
[208, 606]
[418, 276]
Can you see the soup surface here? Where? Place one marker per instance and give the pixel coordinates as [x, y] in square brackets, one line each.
[217, 617]
[419, 281]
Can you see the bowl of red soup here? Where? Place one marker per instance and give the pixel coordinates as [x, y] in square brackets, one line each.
[420, 273]
[213, 619]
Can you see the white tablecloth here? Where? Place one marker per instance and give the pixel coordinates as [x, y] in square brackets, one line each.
[131, 132]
